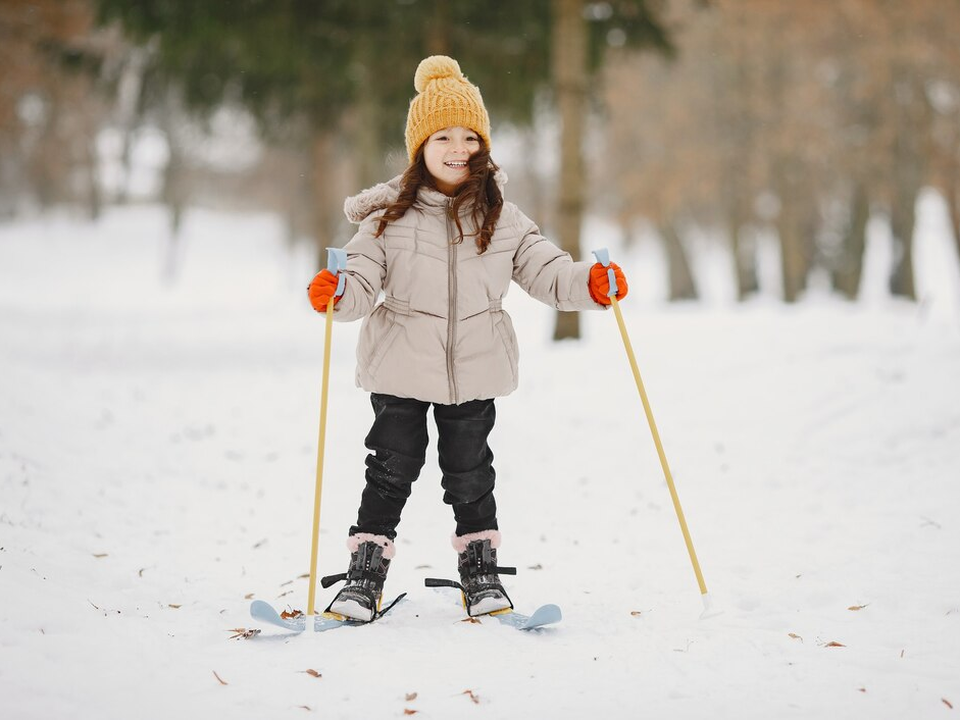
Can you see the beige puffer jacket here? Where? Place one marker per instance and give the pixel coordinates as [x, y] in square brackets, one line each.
[440, 334]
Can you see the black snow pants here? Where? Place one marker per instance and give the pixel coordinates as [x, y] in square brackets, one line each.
[398, 445]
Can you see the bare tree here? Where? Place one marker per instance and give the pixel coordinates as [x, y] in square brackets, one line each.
[570, 73]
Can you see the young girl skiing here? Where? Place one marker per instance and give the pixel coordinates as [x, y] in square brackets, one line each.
[442, 246]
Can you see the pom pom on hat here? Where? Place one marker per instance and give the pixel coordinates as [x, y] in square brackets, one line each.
[445, 99]
[436, 67]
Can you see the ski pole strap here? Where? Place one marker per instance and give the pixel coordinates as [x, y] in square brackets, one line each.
[337, 261]
[603, 257]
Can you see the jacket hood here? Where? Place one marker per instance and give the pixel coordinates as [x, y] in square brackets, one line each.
[379, 197]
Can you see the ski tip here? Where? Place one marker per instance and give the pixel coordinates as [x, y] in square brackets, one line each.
[261, 608]
[543, 615]
[552, 611]
[265, 612]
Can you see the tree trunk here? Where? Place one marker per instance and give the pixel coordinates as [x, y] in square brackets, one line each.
[794, 251]
[907, 178]
[324, 220]
[902, 222]
[953, 205]
[849, 268]
[951, 193]
[744, 257]
[796, 237]
[367, 145]
[174, 191]
[128, 108]
[174, 198]
[570, 77]
[48, 167]
[92, 166]
[682, 286]
[438, 29]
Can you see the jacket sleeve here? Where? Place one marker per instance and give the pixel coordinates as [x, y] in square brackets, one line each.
[549, 274]
[365, 272]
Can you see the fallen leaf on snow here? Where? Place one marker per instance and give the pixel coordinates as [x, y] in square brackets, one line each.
[243, 633]
[248, 596]
[538, 566]
[795, 636]
[834, 643]
[284, 593]
[302, 577]
[636, 613]
[408, 711]
[175, 607]
[305, 707]
[472, 696]
[470, 620]
[259, 544]
[857, 607]
[312, 672]
[288, 582]
[100, 555]
[411, 697]
[291, 614]
[863, 690]
[947, 703]
[220, 679]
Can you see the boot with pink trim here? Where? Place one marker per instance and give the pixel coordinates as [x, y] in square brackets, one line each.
[483, 592]
[362, 595]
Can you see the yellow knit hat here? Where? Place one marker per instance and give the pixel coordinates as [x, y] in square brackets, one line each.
[446, 99]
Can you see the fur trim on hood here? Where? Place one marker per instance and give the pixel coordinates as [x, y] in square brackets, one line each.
[359, 207]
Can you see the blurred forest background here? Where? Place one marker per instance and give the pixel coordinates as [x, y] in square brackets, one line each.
[734, 120]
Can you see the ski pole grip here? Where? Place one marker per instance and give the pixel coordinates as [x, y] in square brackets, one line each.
[337, 261]
[603, 257]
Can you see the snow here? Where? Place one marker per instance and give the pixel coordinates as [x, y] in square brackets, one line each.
[157, 460]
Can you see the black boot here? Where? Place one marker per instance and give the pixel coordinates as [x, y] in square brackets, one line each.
[360, 598]
[482, 590]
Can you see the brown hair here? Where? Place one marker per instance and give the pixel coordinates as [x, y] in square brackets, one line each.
[479, 191]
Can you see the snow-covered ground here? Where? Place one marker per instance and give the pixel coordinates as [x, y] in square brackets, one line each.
[157, 452]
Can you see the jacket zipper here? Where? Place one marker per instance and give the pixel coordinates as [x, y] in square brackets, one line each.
[451, 307]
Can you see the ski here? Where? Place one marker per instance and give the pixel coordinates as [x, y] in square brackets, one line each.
[265, 612]
[543, 615]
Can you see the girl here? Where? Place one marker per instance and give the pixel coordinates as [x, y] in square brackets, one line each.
[442, 245]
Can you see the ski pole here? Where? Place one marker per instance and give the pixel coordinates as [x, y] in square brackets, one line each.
[336, 261]
[603, 257]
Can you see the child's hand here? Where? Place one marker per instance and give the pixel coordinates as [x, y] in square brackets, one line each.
[599, 283]
[322, 288]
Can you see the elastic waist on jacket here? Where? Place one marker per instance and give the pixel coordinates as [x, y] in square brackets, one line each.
[402, 307]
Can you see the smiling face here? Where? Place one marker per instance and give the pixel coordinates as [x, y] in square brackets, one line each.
[446, 153]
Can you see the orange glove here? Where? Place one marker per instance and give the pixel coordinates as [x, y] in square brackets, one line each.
[599, 283]
[321, 289]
